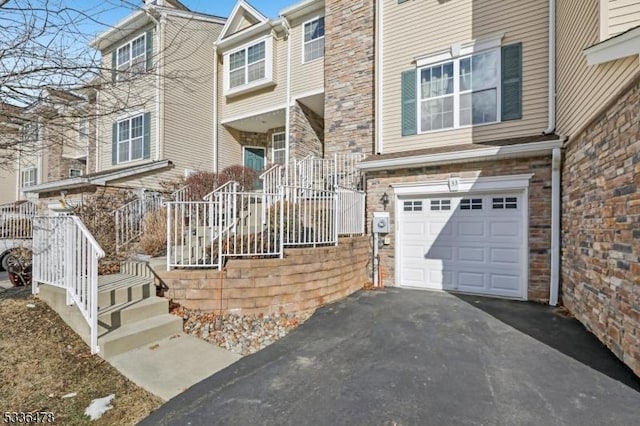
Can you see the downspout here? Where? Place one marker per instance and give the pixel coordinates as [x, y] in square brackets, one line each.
[379, 148]
[215, 107]
[159, 82]
[551, 127]
[556, 167]
[287, 137]
[98, 123]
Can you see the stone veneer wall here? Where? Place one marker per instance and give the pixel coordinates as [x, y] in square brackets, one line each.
[307, 132]
[349, 76]
[539, 209]
[601, 227]
[305, 279]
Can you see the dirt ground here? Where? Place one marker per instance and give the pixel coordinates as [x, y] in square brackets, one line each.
[42, 360]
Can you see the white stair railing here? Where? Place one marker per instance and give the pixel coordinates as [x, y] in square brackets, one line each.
[66, 255]
[129, 219]
[182, 194]
[16, 220]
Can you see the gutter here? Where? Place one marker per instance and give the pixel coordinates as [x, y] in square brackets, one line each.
[159, 108]
[551, 127]
[481, 154]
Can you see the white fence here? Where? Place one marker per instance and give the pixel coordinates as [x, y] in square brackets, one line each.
[66, 255]
[129, 219]
[231, 223]
[16, 220]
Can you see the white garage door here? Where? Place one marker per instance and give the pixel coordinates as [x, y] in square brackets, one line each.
[470, 243]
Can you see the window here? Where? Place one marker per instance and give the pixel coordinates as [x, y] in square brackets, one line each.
[313, 43]
[29, 177]
[278, 148]
[481, 85]
[83, 132]
[505, 203]
[437, 205]
[413, 206]
[471, 204]
[30, 133]
[132, 56]
[459, 93]
[248, 65]
[130, 138]
[75, 172]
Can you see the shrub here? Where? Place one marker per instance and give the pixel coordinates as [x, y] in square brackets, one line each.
[202, 183]
[245, 176]
[154, 237]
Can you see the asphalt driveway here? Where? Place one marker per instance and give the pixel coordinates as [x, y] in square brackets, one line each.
[414, 358]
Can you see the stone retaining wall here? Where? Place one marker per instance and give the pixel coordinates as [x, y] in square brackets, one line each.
[305, 279]
[601, 228]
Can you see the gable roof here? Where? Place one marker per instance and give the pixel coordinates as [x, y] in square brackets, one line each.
[241, 11]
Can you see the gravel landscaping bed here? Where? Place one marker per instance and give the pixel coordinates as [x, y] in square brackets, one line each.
[242, 334]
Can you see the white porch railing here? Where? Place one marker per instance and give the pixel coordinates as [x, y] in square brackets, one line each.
[16, 220]
[66, 255]
[325, 173]
[129, 219]
[182, 194]
[350, 207]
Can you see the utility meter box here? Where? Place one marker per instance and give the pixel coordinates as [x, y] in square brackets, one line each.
[380, 222]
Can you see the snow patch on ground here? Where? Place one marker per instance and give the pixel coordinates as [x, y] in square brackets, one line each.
[98, 407]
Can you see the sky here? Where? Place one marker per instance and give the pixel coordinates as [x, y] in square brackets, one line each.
[109, 12]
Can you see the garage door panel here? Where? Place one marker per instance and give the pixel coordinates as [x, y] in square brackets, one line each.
[474, 247]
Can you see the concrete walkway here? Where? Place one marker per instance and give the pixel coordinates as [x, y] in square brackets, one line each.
[402, 357]
[170, 366]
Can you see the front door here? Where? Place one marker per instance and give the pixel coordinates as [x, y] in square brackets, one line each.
[254, 159]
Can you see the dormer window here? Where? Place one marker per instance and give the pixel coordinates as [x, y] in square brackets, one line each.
[313, 43]
[249, 67]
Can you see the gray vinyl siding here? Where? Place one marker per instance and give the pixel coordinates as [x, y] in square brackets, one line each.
[417, 28]
[582, 89]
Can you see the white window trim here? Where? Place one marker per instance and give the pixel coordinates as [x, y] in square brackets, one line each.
[273, 150]
[122, 68]
[128, 118]
[460, 49]
[254, 85]
[31, 182]
[456, 92]
[304, 43]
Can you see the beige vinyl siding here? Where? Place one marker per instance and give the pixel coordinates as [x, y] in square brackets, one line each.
[262, 99]
[8, 185]
[121, 100]
[418, 28]
[307, 77]
[229, 151]
[620, 15]
[188, 94]
[582, 89]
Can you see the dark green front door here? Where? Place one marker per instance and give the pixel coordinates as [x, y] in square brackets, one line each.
[254, 159]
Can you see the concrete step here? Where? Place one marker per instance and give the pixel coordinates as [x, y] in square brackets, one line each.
[137, 334]
[125, 313]
[136, 267]
[121, 288]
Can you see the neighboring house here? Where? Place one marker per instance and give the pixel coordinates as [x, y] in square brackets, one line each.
[464, 142]
[154, 105]
[51, 141]
[271, 86]
[598, 98]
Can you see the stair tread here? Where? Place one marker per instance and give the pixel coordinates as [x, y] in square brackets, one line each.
[136, 327]
[133, 303]
[117, 281]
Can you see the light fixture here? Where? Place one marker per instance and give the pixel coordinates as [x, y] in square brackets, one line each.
[384, 200]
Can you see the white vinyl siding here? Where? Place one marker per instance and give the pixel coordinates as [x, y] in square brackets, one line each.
[313, 39]
[417, 28]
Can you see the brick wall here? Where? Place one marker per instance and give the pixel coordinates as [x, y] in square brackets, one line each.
[305, 279]
[601, 228]
[349, 76]
[307, 132]
[539, 209]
